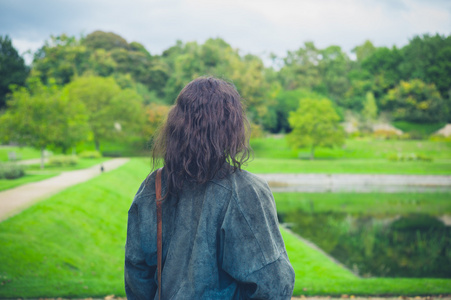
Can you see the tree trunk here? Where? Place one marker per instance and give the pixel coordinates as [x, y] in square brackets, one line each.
[97, 145]
[312, 153]
[42, 157]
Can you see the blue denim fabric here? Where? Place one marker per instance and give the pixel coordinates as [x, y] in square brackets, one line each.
[220, 241]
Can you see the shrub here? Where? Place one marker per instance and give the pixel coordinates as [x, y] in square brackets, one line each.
[256, 131]
[90, 154]
[11, 171]
[385, 134]
[409, 157]
[63, 160]
[114, 153]
[439, 138]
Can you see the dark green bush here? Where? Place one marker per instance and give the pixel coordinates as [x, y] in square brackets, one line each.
[408, 157]
[63, 160]
[90, 154]
[11, 171]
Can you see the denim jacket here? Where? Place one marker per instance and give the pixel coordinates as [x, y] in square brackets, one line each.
[220, 241]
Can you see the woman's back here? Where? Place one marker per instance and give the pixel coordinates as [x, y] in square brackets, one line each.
[221, 241]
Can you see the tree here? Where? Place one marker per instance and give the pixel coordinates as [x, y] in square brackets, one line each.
[12, 68]
[301, 68]
[383, 65]
[315, 124]
[428, 58]
[111, 111]
[43, 116]
[105, 40]
[369, 111]
[363, 51]
[334, 67]
[155, 115]
[416, 101]
[61, 58]
[286, 101]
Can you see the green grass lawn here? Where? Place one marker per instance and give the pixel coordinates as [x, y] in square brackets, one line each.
[366, 156]
[72, 245]
[349, 166]
[381, 204]
[22, 152]
[272, 147]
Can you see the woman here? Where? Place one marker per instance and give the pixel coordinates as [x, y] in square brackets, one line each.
[220, 230]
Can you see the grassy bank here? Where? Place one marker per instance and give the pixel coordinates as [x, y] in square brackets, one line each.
[392, 204]
[72, 245]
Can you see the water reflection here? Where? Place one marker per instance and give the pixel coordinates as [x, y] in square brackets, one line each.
[415, 245]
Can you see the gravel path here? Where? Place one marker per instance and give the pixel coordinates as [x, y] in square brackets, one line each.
[14, 200]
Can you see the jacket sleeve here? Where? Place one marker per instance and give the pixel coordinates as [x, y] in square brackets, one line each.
[139, 276]
[253, 251]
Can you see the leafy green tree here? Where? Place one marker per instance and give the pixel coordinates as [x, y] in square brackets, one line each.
[12, 68]
[102, 63]
[383, 65]
[286, 101]
[217, 58]
[315, 124]
[300, 68]
[105, 40]
[111, 111]
[428, 58]
[43, 116]
[333, 68]
[415, 101]
[61, 58]
[363, 51]
[369, 111]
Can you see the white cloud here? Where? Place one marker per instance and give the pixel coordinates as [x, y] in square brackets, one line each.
[259, 27]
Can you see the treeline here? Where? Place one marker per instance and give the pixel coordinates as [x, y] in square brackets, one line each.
[410, 84]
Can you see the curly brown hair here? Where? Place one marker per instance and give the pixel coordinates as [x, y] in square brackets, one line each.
[206, 128]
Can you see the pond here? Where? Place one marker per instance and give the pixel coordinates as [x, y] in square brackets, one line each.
[415, 245]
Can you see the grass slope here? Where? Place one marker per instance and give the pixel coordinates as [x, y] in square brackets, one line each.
[381, 204]
[71, 244]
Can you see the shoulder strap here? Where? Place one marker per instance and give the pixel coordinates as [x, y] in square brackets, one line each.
[159, 228]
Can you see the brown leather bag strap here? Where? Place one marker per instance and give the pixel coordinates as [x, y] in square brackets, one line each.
[159, 228]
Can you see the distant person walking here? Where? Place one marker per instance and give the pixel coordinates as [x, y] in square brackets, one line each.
[220, 231]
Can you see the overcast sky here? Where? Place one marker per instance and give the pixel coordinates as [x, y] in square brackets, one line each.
[259, 27]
